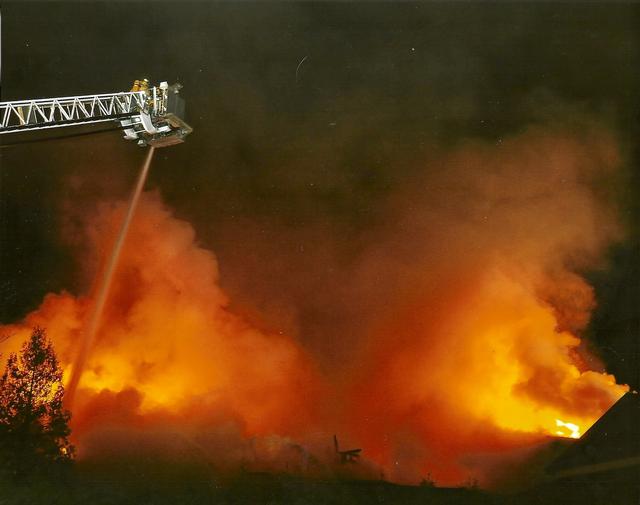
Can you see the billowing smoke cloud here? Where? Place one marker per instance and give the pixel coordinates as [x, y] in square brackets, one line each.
[168, 347]
[458, 313]
[481, 351]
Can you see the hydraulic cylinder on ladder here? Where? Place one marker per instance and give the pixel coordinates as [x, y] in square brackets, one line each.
[149, 115]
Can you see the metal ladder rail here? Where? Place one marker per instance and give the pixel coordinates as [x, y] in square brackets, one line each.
[25, 115]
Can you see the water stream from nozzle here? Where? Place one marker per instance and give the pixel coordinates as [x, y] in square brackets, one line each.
[102, 293]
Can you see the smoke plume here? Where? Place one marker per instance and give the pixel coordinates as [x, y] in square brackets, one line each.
[481, 353]
[448, 341]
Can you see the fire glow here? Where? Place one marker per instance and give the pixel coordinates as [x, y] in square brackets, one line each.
[167, 336]
[571, 431]
[511, 380]
[483, 359]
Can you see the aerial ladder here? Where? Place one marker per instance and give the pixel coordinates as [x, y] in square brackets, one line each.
[149, 115]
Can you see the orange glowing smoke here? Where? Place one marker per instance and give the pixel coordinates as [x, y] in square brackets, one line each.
[481, 373]
[484, 356]
[471, 355]
[168, 346]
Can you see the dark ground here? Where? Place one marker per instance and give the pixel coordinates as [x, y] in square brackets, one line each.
[186, 486]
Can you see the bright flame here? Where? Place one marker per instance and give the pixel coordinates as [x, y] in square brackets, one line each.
[574, 429]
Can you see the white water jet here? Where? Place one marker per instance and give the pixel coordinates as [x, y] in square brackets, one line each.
[95, 316]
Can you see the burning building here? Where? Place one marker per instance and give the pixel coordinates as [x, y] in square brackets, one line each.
[609, 452]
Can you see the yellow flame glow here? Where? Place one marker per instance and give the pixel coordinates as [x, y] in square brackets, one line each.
[570, 430]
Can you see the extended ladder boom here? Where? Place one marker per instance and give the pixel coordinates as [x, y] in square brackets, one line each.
[151, 116]
[27, 115]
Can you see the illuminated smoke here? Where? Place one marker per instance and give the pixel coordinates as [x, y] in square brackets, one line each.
[167, 347]
[92, 326]
[466, 356]
[482, 355]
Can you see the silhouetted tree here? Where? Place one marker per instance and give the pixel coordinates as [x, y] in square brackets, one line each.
[33, 423]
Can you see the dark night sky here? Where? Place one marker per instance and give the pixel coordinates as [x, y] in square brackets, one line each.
[280, 158]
